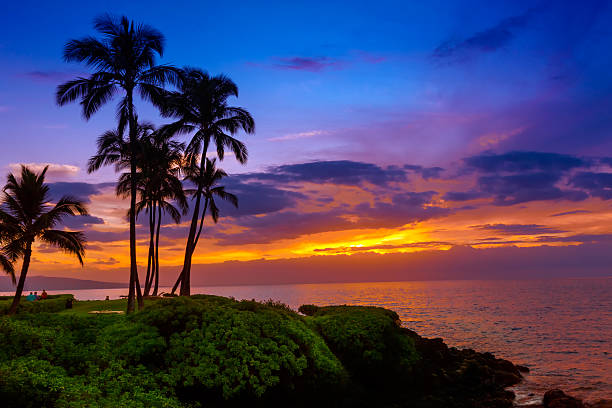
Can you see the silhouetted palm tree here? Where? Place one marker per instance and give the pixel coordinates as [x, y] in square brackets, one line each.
[202, 109]
[113, 149]
[26, 215]
[123, 61]
[206, 184]
[159, 186]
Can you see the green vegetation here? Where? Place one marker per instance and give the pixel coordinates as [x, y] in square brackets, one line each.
[53, 303]
[210, 351]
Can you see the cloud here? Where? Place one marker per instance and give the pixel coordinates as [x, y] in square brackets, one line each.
[518, 229]
[570, 213]
[521, 188]
[54, 171]
[310, 64]
[51, 76]
[372, 248]
[486, 41]
[301, 135]
[596, 184]
[344, 172]
[425, 172]
[81, 221]
[463, 195]
[519, 162]
[404, 208]
[81, 191]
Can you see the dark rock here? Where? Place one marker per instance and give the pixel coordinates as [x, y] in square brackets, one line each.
[559, 399]
[522, 368]
[601, 404]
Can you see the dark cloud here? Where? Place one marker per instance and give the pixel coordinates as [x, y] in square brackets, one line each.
[570, 213]
[425, 172]
[463, 195]
[81, 221]
[583, 238]
[521, 162]
[522, 188]
[82, 191]
[596, 184]
[518, 229]
[486, 41]
[344, 172]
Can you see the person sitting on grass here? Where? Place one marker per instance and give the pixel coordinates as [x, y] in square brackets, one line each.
[43, 295]
[31, 297]
[36, 297]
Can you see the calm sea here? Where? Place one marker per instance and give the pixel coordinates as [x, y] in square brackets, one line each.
[560, 328]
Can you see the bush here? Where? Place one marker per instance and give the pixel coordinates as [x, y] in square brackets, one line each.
[367, 341]
[308, 310]
[245, 350]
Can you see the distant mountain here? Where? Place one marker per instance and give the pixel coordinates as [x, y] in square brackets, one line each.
[52, 283]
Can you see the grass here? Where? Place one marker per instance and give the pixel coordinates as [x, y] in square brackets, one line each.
[83, 307]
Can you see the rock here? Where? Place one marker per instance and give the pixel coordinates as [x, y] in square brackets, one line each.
[522, 369]
[601, 404]
[559, 399]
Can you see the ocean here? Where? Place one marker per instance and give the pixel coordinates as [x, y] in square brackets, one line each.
[560, 328]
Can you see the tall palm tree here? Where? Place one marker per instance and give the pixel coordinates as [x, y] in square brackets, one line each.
[114, 149]
[206, 183]
[159, 186]
[124, 62]
[26, 215]
[201, 108]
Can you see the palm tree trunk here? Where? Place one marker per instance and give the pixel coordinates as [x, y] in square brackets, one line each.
[156, 266]
[133, 266]
[150, 257]
[186, 273]
[195, 242]
[24, 271]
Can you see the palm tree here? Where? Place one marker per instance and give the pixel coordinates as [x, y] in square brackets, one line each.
[206, 183]
[113, 149]
[26, 216]
[159, 186]
[201, 108]
[124, 62]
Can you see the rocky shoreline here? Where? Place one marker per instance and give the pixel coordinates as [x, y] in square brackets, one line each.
[558, 399]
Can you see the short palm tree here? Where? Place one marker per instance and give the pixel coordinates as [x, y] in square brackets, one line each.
[201, 108]
[26, 215]
[207, 184]
[123, 62]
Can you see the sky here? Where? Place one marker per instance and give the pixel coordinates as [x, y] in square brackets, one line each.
[457, 136]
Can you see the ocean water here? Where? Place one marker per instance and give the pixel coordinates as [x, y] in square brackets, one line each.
[560, 328]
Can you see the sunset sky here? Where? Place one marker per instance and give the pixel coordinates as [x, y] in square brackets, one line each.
[382, 128]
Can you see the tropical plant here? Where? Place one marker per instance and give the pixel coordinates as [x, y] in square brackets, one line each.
[123, 61]
[26, 215]
[201, 108]
[206, 184]
[159, 186]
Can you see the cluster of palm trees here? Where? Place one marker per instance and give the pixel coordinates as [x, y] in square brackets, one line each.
[153, 165]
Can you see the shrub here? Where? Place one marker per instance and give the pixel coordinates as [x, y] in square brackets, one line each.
[368, 341]
[308, 310]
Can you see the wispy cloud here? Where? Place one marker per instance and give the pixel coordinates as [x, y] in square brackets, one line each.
[300, 135]
[489, 40]
[51, 76]
[311, 64]
[55, 170]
